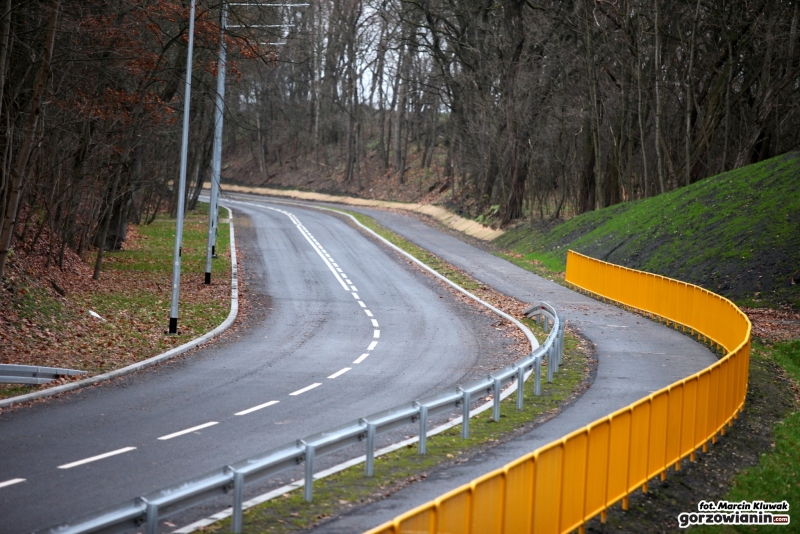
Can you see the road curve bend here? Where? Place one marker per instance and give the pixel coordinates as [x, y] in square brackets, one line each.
[349, 330]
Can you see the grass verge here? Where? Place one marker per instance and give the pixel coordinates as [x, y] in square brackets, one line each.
[776, 477]
[43, 327]
[347, 489]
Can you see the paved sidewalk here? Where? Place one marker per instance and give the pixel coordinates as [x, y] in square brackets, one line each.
[636, 357]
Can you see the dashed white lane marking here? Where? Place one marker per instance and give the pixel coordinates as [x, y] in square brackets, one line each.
[340, 372]
[343, 279]
[307, 388]
[95, 458]
[188, 430]
[11, 482]
[254, 408]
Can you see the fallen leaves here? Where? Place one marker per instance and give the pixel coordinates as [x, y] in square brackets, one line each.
[45, 310]
[780, 324]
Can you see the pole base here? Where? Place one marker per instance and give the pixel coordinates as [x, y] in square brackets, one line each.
[208, 279]
[173, 325]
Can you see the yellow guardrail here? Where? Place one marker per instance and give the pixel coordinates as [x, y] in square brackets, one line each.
[560, 486]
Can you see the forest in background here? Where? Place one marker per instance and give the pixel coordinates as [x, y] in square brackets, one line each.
[546, 108]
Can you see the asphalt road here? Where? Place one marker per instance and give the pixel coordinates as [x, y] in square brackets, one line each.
[636, 357]
[349, 330]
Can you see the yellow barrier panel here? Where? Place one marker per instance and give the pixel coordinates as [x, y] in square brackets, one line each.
[560, 486]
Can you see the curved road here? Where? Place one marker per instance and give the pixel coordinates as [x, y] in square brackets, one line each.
[350, 331]
[636, 357]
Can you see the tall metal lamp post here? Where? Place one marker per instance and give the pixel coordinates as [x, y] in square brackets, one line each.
[216, 160]
[176, 257]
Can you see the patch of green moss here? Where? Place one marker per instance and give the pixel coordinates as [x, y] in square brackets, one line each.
[735, 233]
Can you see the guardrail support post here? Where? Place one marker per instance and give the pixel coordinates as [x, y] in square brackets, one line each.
[465, 402]
[496, 407]
[520, 386]
[152, 518]
[236, 516]
[308, 490]
[422, 445]
[370, 464]
[537, 381]
[550, 364]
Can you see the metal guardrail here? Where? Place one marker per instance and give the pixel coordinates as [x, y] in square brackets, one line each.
[230, 480]
[32, 374]
[562, 485]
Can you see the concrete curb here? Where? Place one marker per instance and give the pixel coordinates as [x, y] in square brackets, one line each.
[5, 403]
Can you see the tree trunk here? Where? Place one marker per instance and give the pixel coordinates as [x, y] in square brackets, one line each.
[657, 78]
[9, 219]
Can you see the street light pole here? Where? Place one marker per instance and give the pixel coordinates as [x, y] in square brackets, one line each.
[176, 257]
[216, 161]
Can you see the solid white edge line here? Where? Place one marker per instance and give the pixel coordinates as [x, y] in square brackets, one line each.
[254, 408]
[260, 499]
[340, 372]
[361, 358]
[11, 482]
[95, 458]
[307, 388]
[188, 430]
[49, 392]
[391, 448]
[315, 247]
[525, 330]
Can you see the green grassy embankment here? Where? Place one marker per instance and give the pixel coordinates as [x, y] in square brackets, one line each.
[737, 234]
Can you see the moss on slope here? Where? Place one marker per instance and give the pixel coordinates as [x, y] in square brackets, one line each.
[737, 233]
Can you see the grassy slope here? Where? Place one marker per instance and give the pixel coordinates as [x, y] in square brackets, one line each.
[133, 295]
[737, 233]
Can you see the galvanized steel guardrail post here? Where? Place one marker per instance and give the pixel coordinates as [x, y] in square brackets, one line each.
[148, 509]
